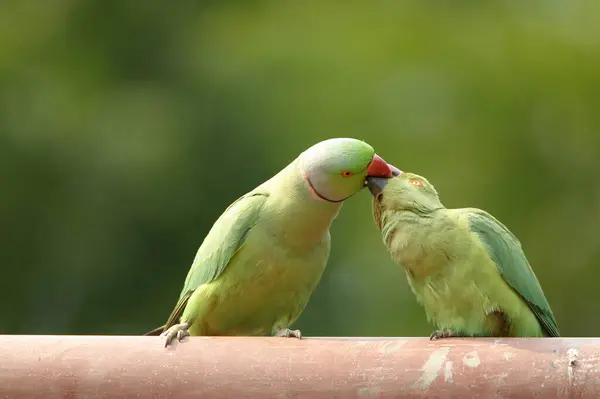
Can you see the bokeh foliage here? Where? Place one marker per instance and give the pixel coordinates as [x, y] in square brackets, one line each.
[127, 127]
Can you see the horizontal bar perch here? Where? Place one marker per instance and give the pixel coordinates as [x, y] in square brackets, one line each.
[37, 366]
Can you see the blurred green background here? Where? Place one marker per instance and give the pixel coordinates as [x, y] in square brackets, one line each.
[127, 127]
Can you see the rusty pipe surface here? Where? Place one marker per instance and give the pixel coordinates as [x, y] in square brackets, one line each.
[243, 367]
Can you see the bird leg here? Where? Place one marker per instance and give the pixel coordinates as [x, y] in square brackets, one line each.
[445, 333]
[287, 333]
[179, 331]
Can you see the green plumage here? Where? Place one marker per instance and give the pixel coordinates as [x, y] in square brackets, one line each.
[262, 259]
[465, 267]
[506, 252]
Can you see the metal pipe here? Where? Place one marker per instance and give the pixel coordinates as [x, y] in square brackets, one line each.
[37, 366]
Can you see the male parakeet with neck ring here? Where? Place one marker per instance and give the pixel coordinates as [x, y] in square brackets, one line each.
[264, 256]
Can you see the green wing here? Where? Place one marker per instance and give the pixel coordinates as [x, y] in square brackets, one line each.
[225, 238]
[505, 250]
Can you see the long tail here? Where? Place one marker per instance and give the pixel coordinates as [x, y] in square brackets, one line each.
[156, 331]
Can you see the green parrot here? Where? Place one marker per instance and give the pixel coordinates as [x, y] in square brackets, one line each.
[465, 268]
[264, 256]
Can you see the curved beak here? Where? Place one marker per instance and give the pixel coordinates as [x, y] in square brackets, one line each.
[376, 185]
[379, 168]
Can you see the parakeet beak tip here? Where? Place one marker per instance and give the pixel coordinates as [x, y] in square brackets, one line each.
[379, 168]
[376, 185]
[395, 170]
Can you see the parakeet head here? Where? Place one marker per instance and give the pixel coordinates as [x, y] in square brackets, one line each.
[336, 169]
[406, 192]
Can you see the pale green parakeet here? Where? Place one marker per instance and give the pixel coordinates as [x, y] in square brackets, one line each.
[260, 262]
[465, 268]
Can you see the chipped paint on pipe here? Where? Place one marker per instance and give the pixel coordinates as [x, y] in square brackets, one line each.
[268, 367]
[448, 372]
[432, 367]
[471, 359]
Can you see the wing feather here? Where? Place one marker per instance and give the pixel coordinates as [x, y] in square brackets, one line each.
[505, 250]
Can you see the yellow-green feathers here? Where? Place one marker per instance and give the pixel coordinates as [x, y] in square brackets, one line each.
[466, 268]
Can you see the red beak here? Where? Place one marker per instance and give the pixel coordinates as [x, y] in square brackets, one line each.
[380, 168]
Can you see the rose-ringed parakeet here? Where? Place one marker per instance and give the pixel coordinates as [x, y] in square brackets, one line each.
[264, 256]
[466, 268]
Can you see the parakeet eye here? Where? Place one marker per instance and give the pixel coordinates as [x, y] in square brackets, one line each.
[347, 173]
[415, 182]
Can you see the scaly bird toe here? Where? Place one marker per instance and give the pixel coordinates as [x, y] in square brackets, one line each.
[441, 334]
[178, 331]
[287, 333]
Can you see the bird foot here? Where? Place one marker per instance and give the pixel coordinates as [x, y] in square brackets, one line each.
[441, 334]
[178, 331]
[287, 333]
